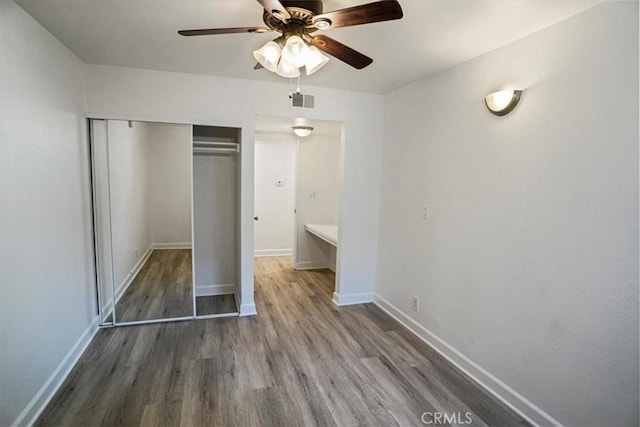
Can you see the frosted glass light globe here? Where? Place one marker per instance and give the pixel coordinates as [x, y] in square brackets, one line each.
[295, 51]
[268, 55]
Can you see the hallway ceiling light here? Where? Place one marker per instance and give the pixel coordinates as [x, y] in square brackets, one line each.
[302, 131]
[502, 102]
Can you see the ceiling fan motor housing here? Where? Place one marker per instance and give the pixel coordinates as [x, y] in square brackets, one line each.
[301, 11]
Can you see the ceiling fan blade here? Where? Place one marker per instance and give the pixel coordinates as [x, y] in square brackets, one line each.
[342, 52]
[275, 5]
[258, 66]
[384, 10]
[235, 30]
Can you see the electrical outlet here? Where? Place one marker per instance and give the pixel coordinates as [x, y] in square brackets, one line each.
[136, 252]
[415, 306]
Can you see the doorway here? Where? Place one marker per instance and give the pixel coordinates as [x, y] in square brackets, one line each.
[298, 184]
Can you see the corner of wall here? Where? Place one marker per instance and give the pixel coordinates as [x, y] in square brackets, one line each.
[42, 398]
[352, 299]
[479, 375]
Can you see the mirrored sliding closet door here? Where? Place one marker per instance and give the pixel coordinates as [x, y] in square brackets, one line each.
[142, 194]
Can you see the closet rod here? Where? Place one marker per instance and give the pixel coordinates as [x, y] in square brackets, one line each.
[206, 150]
[214, 144]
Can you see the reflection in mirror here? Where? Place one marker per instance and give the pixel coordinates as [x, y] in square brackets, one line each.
[147, 213]
[100, 170]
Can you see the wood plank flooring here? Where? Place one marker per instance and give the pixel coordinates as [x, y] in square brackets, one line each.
[216, 304]
[162, 289]
[301, 361]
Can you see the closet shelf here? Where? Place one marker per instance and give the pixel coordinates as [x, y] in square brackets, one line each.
[326, 232]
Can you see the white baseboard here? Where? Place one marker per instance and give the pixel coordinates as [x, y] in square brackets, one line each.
[272, 252]
[160, 246]
[310, 265]
[107, 309]
[122, 288]
[42, 398]
[351, 299]
[484, 378]
[248, 310]
[209, 290]
[245, 309]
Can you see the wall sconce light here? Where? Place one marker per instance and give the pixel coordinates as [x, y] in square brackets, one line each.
[302, 131]
[503, 102]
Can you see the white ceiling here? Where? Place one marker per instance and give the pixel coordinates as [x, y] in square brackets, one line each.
[282, 125]
[432, 36]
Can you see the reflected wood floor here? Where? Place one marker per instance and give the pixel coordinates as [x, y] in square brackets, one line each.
[161, 289]
[301, 361]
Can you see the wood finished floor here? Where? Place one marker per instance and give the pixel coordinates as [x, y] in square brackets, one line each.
[301, 361]
[216, 304]
[162, 289]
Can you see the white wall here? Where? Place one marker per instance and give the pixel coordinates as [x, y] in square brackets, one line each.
[47, 293]
[130, 192]
[317, 197]
[214, 215]
[186, 98]
[529, 263]
[275, 160]
[170, 183]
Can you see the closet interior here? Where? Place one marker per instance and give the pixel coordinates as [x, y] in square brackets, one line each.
[165, 203]
[216, 207]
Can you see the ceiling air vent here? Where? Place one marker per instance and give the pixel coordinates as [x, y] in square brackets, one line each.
[302, 101]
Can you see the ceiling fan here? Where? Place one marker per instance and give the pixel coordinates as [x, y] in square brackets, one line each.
[297, 21]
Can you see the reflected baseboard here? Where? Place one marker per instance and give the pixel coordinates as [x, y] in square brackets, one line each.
[107, 309]
[122, 288]
[160, 246]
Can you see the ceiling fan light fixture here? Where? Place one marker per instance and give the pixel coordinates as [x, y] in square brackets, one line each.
[295, 51]
[315, 60]
[296, 21]
[302, 131]
[287, 70]
[268, 55]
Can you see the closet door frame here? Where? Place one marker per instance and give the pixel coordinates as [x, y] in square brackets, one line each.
[97, 240]
[236, 158]
[244, 224]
